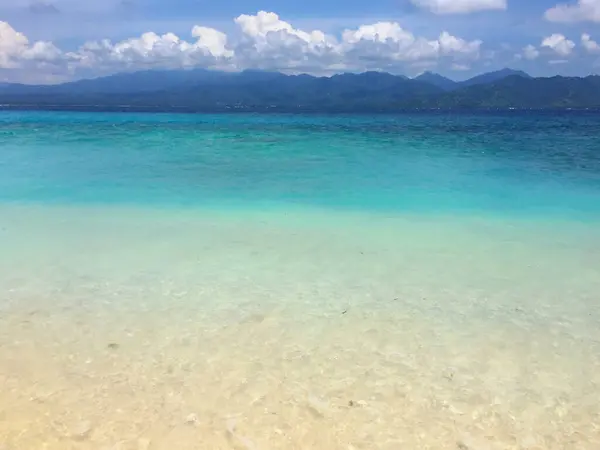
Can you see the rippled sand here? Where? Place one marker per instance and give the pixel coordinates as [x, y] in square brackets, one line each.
[132, 329]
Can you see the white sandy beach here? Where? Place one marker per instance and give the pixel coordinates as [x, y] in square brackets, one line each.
[169, 329]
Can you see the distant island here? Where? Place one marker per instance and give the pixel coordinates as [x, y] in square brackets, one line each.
[200, 90]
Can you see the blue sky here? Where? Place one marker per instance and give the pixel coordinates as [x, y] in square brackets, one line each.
[57, 40]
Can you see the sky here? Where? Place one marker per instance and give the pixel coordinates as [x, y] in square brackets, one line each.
[53, 41]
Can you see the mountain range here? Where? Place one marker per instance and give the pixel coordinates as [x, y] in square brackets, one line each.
[212, 91]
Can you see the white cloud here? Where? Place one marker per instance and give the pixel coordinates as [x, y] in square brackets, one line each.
[211, 41]
[559, 43]
[42, 51]
[389, 41]
[16, 50]
[460, 6]
[263, 24]
[261, 41]
[152, 50]
[12, 45]
[589, 44]
[268, 42]
[530, 52]
[450, 44]
[583, 10]
[383, 32]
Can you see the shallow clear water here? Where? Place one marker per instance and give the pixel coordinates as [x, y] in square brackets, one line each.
[247, 281]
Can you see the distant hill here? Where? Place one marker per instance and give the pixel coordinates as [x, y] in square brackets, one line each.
[492, 77]
[16, 88]
[142, 81]
[220, 91]
[438, 80]
[523, 93]
[145, 81]
[211, 91]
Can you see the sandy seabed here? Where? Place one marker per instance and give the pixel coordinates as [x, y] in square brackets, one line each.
[146, 329]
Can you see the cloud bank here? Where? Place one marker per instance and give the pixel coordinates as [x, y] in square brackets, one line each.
[262, 41]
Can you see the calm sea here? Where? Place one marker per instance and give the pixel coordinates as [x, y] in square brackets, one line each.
[424, 281]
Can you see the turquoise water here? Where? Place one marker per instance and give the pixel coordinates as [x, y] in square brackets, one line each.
[513, 163]
[421, 281]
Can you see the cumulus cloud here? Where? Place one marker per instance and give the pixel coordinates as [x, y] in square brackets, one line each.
[16, 51]
[583, 10]
[12, 44]
[530, 52]
[387, 44]
[589, 44]
[153, 51]
[460, 6]
[560, 44]
[261, 41]
[452, 45]
[267, 42]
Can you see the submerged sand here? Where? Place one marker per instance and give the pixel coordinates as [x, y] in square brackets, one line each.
[148, 329]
